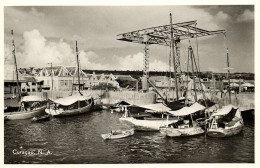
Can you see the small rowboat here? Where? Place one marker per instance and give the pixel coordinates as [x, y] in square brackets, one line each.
[118, 134]
[46, 117]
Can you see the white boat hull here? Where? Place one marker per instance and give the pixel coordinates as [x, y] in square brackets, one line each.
[78, 111]
[176, 132]
[20, 115]
[121, 134]
[227, 131]
[146, 125]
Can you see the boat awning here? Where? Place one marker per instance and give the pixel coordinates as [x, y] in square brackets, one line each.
[158, 107]
[247, 85]
[224, 110]
[188, 110]
[66, 101]
[32, 98]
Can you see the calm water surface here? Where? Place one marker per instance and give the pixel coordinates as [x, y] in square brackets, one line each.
[77, 139]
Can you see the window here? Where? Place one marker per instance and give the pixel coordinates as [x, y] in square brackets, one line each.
[66, 83]
[33, 90]
[33, 83]
[61, 82]
[28, 90]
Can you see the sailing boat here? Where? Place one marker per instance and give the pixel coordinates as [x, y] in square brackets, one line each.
[185, 126]
[228, 120]
[150, 120]
[29, 106]
[71, 105]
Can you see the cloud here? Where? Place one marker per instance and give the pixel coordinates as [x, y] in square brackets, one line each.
[222, 16]
[37, 51]
[247, 15]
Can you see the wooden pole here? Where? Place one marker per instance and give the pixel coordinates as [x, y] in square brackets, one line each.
[192, 68]
[173, 55]
[228, 76]
[77, 52]
[17, 77]
[51, 77]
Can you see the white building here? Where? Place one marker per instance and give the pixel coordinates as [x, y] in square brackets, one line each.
[63, 78]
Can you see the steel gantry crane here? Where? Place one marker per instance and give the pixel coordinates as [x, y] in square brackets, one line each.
[166, 35]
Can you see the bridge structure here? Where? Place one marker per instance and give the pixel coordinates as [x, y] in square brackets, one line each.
[166, 35]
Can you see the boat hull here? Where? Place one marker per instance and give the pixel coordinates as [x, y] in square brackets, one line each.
[122, 134]
[146, 125]
[58, 113]
[226, 132]
[20, 115]
[177, 132]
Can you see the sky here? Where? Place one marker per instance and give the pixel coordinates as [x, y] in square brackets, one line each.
[45, 34]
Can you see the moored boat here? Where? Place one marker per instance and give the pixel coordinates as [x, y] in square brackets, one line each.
[227, 121]
[71, 105]
[117, 134]
[151, 120]
[74, 104]
[31, 106]
[184, 127]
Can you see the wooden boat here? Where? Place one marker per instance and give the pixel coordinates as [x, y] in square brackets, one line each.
[28, 106]
[184, 127]
[31, 106]
[46, 117]
[118, 134]
[226, 122]
[71, 105]
[146, 122]
[146, 125]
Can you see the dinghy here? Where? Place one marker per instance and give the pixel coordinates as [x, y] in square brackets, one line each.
[116, 134]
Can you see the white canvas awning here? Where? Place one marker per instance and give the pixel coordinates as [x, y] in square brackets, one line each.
[224, 110]
[32, 98]
[188, 110]
[158, 107]
[247, 85]
[234, 85]
[66, 101]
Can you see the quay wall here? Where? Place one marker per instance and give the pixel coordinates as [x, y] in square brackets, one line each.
[245, 101]
[105, 97]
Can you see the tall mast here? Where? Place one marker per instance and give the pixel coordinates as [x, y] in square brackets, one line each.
[229, 89]
[192, 68]
[173, 55]
[17, 78]
[77, 52]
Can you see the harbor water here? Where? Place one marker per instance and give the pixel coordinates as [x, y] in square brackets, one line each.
[76, 139]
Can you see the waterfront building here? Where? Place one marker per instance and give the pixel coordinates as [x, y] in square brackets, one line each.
[62, 78]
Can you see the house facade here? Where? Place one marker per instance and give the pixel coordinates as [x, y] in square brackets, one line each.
[62, 78]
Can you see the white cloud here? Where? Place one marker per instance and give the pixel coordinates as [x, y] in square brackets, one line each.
[222, 16]
[37, 51]
[247, 15]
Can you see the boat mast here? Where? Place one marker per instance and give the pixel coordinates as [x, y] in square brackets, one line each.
[228, 74]
[192, 68]
[17, 78]
[173, 55]
[77, 52]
